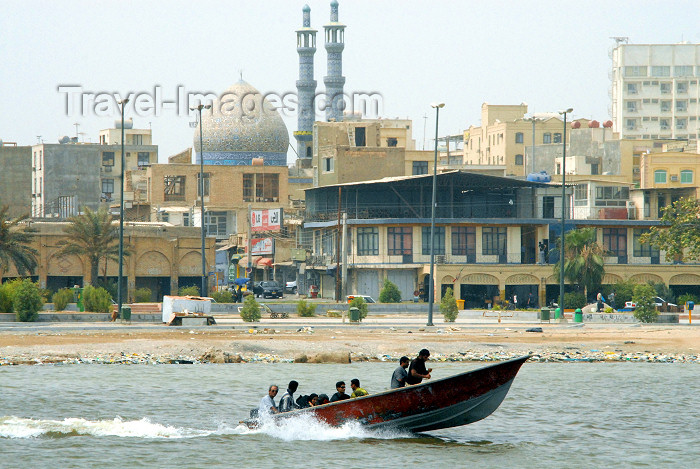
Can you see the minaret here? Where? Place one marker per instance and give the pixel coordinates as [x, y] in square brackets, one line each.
[335, 43]
[306, 85]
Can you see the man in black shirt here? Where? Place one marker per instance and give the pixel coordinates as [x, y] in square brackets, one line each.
[417, 371]
[340, 395]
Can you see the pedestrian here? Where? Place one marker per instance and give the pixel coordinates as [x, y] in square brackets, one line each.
[599, 301]
[611, 297]
[515, 301]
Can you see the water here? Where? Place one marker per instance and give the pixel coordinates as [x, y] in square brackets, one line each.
[575, 415]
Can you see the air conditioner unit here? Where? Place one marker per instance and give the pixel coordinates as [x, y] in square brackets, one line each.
[674, 178]
[439, 259]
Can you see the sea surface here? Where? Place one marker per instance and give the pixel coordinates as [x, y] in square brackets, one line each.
[557, 415]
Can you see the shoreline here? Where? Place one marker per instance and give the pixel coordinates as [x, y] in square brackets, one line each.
[264, 342]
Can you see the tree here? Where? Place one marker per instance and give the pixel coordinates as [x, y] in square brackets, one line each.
[448, 306]
[645, 311]
[390, 293]
[92, 234]
[360, 303]
[679, 233]
[27, 301]
[14, 245]
[583, 260]
[250, 312]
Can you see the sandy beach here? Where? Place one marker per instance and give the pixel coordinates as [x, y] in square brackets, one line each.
[240, 342]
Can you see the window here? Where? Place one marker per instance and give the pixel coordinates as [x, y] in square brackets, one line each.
[660, 176]
[360, 137]
[107, 158]
[392, 142]
[308, 152]
[683, 71]
[615, 241]
[665, 88]
[207, 179]
[547, 138]
[665, 106]
[631, 124]
[681, 105]
[664, 124]
[581, 195]
[463, 240]
[611, 196]
[108, 187]
[686, 176]
[681, 123]
[636, 71]
[631, 106]
[165, 217]
[367, 241]
[399, 240]
[174, 187]
[215, 224]
[327, 165]
[638, 248]
[519, 160]
[660, 71]
[186, 219]
[682, 86]
[143, 158]
[557, 138]
[261, 187]
[137, 139]
[439, 241]
[631, 88]
[493, 241]
[519, 137]
[420, 167]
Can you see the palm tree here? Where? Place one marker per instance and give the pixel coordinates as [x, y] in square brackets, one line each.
[584, 260]
[14, 245]
[92, 234]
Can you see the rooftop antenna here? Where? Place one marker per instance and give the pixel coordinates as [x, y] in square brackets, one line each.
[76, 129]
[425, 120]
[240, 73]
[620, 39]
[38, 139]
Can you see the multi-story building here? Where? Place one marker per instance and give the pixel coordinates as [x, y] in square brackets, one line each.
[655, 90]
[16, 178]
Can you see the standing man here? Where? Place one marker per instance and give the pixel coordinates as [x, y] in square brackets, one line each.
[267, 403]
[611, 297]
[398, 379]
[417, 371]
[287, 401]
[357, 391]
[340, 394]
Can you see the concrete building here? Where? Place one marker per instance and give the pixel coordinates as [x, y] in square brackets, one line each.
[654, 90]
[16, 178]
[334, 80]
[306, 86]
[366, 149]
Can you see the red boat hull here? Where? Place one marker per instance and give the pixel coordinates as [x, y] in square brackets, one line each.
[434, 404]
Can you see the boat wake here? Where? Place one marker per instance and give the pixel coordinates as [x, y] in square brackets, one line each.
[308, 428]
[17, 427]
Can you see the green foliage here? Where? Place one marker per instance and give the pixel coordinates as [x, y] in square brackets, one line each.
[61, 299]
[623, 292]
[448, 306]
[27, 301]
[188, 291]
[250, 312]
[679, 232]
[97, 300]
[663, 291]
[644, 297]
[306, 309]
[390, 293]
[110, 285]
[15, 241]
[223, 296]
[7, 295]
[360, 304]
[686, 297]
[584, 259]
[143, 295]
[574, 300]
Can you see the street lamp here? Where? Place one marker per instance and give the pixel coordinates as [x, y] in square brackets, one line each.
[431, 290]
[563, 216]
[199, 108]
[120, 300]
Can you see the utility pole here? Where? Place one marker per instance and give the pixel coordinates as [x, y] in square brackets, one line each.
[344, 276]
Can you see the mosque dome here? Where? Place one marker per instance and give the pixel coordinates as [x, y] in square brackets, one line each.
[241, 125]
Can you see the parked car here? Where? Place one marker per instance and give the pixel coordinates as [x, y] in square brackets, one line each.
[368, 299]
[268, 289]
[291, 287]
[658, 302]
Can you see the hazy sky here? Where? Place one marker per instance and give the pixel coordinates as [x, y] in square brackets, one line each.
[549, 54]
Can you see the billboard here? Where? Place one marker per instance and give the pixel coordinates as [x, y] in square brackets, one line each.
[266, 220]
[262, 246]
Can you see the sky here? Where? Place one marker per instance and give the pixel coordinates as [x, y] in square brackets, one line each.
[550, 54]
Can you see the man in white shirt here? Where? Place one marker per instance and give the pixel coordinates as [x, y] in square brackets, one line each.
[267, 403]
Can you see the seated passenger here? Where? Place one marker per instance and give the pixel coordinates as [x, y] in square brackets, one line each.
[322, 399]
[287, 402]
[340, 394]
[267, 404]
[313, 400]
[398, 379]
[357, 391]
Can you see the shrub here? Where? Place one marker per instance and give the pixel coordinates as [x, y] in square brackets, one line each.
[448, 306]
[97, 300]
[27, 301]
[686, 297]
[250, 312]
[360, 304]
[305, 309]
[7, 295]
[574, 300]
[111, 286]
[142, 295]
[188, 291]
[623, 292]
[644, 297]
[224, 296]
[663, 291]
[390, 293]
[46, 295]
[61, 299]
